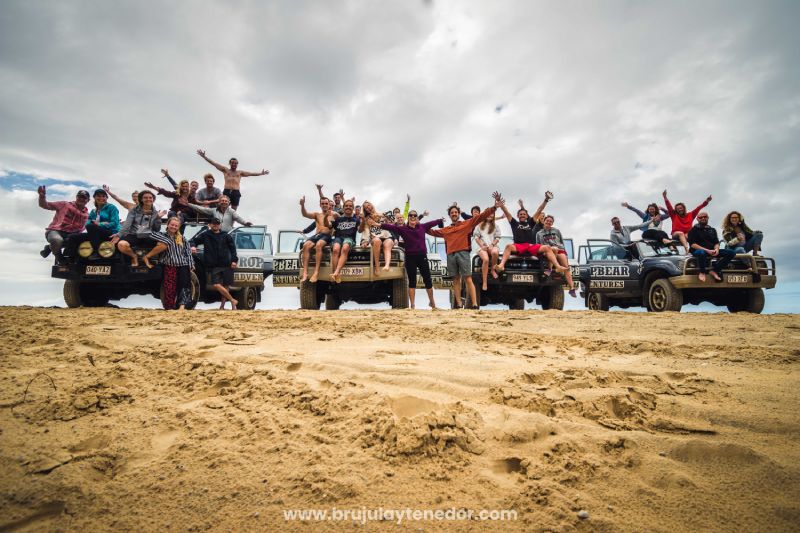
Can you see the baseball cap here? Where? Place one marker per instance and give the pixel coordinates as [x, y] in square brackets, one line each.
[215, 220]
[99, 191]
[83, 192]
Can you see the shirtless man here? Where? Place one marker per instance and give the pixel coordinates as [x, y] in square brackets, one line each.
[319, 240]
[233, 177]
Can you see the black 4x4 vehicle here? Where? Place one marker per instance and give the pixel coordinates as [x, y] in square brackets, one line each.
[649, 274]
[95, 277]
[357, 284]
[523, 280]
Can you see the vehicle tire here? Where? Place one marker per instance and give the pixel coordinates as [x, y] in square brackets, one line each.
[308, 296]
[751, 301]
[552, 297]
[194, 292]
[72, 293]
[663, 296]
[517, 304]
[400, 293]
[332, 302]
[248, 297]
[596, 301]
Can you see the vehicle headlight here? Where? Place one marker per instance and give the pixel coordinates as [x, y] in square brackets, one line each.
[85, 249]
[106, 249]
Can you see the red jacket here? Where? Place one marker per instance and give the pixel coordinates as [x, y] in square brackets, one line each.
[683, 223]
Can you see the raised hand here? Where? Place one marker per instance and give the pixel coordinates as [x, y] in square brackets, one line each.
[107, 189]
[201, 153]
[425, 213]
[264, 171]
[303, 200]
[709, 198]
[165, 172]
[521, 205]
[664, 194]
[319, 187]
[150, 185]
[408, 198]
[42, 190]
[548, 196]
[624, 204]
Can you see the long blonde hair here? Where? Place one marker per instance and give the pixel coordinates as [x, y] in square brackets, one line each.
[180, 185]
[178, 237]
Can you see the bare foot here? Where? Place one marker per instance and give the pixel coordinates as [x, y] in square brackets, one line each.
[335, 277]
[412, 307]
[484, 287]
[494, 273]
[314, 278]
[222, 305]
[432, 306]
[182, 308]
[715, 276]
[376, 273]
[304, 277]
[147, 262]
[498, 268]
[386, 268]
[701, 277]
[233, 304]
[134, 262]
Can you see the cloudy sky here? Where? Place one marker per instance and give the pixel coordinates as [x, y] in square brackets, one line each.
[599, 102]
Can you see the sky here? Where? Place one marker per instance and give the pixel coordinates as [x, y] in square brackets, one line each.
[600, 102]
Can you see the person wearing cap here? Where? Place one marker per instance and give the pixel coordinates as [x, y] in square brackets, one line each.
[224, 212]
[138, 227]
[219, 259]
[103, 223]
[70, 219]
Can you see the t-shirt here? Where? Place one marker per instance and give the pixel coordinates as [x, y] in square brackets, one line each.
[705, 236]
[204, 195]
[523, 233]
[551, 237]
[346, 227]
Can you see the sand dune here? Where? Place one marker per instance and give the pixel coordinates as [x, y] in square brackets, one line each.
[143, 420]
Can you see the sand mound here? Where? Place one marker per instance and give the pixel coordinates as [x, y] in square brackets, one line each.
[153, 421]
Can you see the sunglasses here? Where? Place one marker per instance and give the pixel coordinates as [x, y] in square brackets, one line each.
[412, 215]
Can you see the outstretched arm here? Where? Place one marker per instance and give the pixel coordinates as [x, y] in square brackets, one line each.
[506, 212]
[43, 203]
[169, 178]
[263, 172]
[670, 209]
[303, 209]
[124, 203]
[701, 206]
[539, 209]
[202, 153]
[638, 212]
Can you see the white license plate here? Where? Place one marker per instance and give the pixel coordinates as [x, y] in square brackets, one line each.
[737, 278]
[98, 270]
[522, 278]
[353, 271]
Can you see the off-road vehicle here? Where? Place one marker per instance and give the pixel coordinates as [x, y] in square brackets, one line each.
[652, 275]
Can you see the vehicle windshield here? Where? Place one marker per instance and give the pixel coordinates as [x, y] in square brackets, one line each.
[248, 238]
[656, 249]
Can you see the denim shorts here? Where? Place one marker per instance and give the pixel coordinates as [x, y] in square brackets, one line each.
[458, 264]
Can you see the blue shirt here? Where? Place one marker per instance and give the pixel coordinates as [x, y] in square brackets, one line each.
[108, 217]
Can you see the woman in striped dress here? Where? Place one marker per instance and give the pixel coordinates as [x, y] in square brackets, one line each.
[177, 264]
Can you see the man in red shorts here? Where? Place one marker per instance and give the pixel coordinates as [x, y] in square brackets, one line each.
[525, 241]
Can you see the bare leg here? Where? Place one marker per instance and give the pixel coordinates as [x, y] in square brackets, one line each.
[682, 237]
[471, 291]
[223, 291]
[336, 249]
[551, 258]
[431, 303]
[484, 268]
[306, 258]
[342, 260]
[125, 248]
[376, 256]
[318, 258]
[510, 248]
[568, 274]
[411, 295]
[457, 290]
[387, 253]
[157, 249]
[495, 256]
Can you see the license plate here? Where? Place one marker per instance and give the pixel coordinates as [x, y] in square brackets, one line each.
[98, 270]
[737, 278]
[522, 278]
[353, 271]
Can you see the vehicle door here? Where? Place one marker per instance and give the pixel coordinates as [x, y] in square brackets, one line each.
[286, 260]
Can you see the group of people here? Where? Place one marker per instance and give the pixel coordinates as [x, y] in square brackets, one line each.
[341, 223]
[73, 224]
[698, 239]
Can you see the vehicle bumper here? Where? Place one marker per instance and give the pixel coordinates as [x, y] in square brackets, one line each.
[118, 273]
[691, 281]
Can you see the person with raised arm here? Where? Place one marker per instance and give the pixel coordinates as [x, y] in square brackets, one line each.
[416, 248]
[233, 177]
[137, 230]
[738, 235]
[487, 236]
[345, 232]
[338, 199]
[375, 237]
[209, 195]
[124, 203]
[182, 199]
[704, 242]
[219, 258]
[681, 220]
[551, 237]
[70, 219]
[176, 265]
[319, 240]
[224, 212]
[652, 219]
[457, 245]
[524, 234]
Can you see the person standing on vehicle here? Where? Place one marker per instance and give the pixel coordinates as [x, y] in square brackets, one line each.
[102, 224]
[177, 264]
[224, 212]
[70, 219]
[681, 220]
[525, 242]
[738, 236]
[345, 231]
[551, 237]
[457, 244]
[321, 239]
[219, 259]
[487, 236]
[137, 230]
[413, 234]
[233, 177]
[704, 242]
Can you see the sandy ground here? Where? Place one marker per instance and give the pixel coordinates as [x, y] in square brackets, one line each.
[152, 421]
